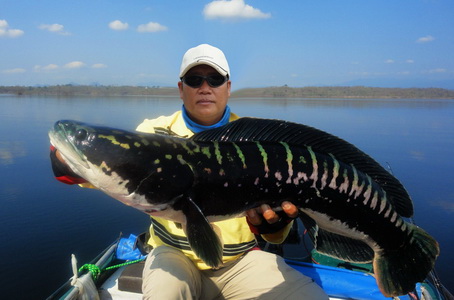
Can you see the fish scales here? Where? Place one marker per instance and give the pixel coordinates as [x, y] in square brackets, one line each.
[220, 173]
[276, 183]
[261, 173]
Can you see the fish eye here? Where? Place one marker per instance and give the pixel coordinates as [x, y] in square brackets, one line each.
[81, 134]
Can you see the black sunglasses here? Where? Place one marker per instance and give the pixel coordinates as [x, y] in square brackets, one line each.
[196, 81]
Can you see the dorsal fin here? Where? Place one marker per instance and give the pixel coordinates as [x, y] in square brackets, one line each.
[255, 129]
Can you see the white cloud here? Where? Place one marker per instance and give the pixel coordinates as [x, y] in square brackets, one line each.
[233, 9]
[365, 73]
[49, 67]
[55, 28]
[425, 39]
[438, 70]
[151, 27]
[98, 66]
[71, 65]
[74, 65]
[14, 71]
[409, 61]
[118, 25]
[9, 32]
[389, 61]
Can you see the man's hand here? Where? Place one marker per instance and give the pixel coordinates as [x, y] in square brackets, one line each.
[255, 216]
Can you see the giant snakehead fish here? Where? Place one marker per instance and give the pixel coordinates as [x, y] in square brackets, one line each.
[357, 208]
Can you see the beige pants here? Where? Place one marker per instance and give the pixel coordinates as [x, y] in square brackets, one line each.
[169, 275]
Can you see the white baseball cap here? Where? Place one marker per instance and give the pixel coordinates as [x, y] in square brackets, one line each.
[205, 54]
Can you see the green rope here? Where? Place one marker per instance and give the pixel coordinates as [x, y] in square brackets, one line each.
[95, 270]
[124, 264]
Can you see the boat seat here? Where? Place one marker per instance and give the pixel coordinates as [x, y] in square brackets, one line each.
[130, 279]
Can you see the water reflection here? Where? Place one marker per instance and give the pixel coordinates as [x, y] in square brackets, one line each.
[353, 103]
[11, 150]
[447, 205]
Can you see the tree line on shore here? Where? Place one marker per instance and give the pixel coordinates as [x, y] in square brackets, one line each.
[348, 92]
[268, 92]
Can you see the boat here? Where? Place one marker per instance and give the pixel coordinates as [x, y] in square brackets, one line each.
[116, 273]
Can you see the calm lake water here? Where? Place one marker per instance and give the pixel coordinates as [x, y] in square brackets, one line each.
[43, 221]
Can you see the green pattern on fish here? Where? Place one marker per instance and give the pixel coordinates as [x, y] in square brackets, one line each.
[352, 206]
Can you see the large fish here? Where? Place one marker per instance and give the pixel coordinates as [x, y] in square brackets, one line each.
[355, 205]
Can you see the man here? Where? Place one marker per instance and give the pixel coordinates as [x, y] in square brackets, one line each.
[172, 270]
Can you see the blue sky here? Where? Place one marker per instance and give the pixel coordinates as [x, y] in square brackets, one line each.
[404, 43]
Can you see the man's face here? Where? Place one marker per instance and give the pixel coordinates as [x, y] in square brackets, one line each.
[205, 104]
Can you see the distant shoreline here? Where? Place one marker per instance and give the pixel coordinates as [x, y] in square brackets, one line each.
[268, 92]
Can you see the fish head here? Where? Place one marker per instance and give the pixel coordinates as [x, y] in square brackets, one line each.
[112, 160]
[73, 139]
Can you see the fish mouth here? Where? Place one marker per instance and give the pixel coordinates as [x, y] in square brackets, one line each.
[58, 137]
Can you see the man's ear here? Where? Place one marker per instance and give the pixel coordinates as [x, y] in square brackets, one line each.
[180, 88]
[229, 85]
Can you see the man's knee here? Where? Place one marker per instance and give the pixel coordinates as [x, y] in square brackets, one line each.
[169, 274]
[281, 281]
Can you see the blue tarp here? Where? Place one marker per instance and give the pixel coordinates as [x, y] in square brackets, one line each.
[127, 249]
[342, 283]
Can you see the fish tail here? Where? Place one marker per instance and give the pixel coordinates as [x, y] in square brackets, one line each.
[397, 272]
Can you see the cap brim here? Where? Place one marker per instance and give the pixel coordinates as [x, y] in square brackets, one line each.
[204, 62]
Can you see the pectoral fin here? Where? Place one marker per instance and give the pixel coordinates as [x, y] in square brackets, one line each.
[202, 238]
[342, 247]
[335, 245]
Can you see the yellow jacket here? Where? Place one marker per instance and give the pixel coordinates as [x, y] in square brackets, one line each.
[235, 233]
